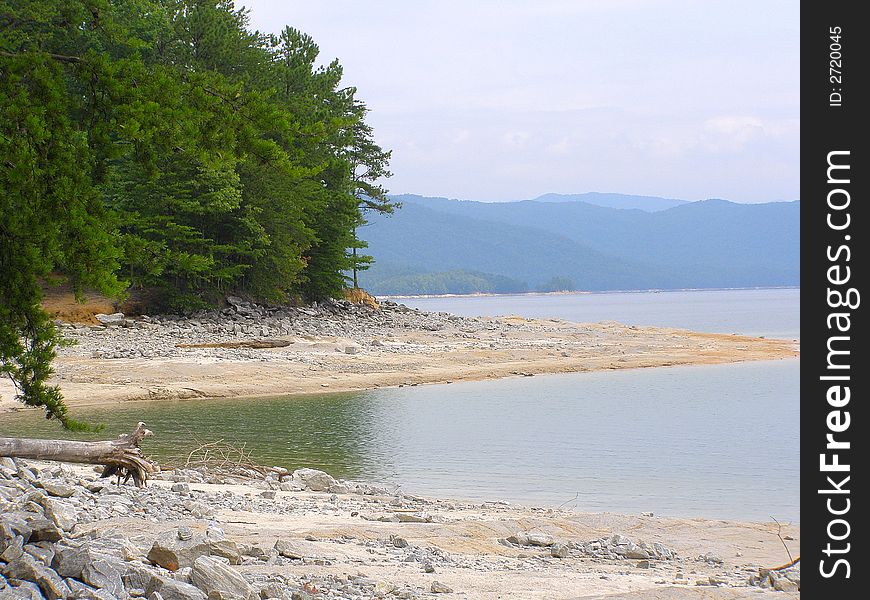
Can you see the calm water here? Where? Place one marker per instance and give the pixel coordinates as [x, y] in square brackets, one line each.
[772, 313]
[717, 441]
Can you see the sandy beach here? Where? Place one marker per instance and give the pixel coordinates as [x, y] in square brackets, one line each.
[346, 347]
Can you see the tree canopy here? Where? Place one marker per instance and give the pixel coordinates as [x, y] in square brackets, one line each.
[163, 145]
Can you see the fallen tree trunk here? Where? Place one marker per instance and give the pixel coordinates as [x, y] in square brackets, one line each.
[121, 457]
[253, 344]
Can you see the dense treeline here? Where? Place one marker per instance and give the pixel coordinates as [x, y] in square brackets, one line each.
[162, 145]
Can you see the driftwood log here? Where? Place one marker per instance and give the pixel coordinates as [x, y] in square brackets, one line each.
[121, 457]
[253, 344]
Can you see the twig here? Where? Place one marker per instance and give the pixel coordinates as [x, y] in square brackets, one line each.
[779, 535]
[577, 495]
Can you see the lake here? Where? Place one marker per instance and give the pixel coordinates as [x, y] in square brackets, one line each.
[718, 441]
[773, 313]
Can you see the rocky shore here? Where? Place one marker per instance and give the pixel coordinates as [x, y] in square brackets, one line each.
[197, 535]
[250, 350]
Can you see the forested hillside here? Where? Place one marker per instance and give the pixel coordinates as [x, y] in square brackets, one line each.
[572, 244]
[165, 148]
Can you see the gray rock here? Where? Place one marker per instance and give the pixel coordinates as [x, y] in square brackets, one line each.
[268, 494]
[170, 589]
[70, 561]
[288, 550]
[520, 539]
[43, 530]
[314, 480]
[172, 553]
[212, 576]
[112, 319]
[54, 488]
[643, 564]
[227, 549]
[14, 549]
[636, 553]
[540, 539]
[21, 590]
[181, 488]
[105, 574]
[560, 551]
[439, 588]
[41, 551]
[400, 542]
[25, 567]
[428, 567]
[63, 514]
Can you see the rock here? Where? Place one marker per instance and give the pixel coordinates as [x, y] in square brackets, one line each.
[22, 590]
[63, 514]
[540, 539]
[400, 542]
[105, 574]
[520, 539]
[288, 550]
[172, 553]
[268, 494]
[210, 576]
[43, 530]
[181, 488]
[439, 588]
[59, 490]
[170, 589]
[414, 518]
[314, 480]
[428, 567]
[351, 349]
[70, 561]
[642, 564]
[41, 551]
[25, 567]
[112, 319]
[227, 549]
[14, 549]
[560, 551]
[636, 553]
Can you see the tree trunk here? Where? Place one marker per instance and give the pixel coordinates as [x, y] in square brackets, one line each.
[120, 457]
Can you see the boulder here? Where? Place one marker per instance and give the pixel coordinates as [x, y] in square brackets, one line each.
[112, 319]
[212, 576]
[288, 550]
[439, 588]
[225, 549]
[43, 530]
[170, 589]
[105, 574]
[540, 539]
[314, 480]
[57, 489]
[27, 568]
[173, 553]
[63, 514]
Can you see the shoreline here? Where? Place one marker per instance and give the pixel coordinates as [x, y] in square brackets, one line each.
[340, 347]
[579, 292]
[289, 535]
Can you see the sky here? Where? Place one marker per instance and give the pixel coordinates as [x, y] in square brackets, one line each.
[509, 99]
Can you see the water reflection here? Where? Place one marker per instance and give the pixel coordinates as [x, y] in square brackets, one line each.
[680, 441]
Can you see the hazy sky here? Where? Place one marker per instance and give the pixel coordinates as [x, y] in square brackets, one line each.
[510, 99]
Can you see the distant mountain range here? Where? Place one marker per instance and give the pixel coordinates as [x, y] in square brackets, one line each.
[580, 242]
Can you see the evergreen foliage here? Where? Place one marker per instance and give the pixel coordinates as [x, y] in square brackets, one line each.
[164, 145]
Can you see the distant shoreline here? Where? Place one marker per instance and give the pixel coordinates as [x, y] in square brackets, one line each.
[581, 292]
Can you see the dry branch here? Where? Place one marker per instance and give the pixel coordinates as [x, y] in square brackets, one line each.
[254, 344]
[122, 456]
